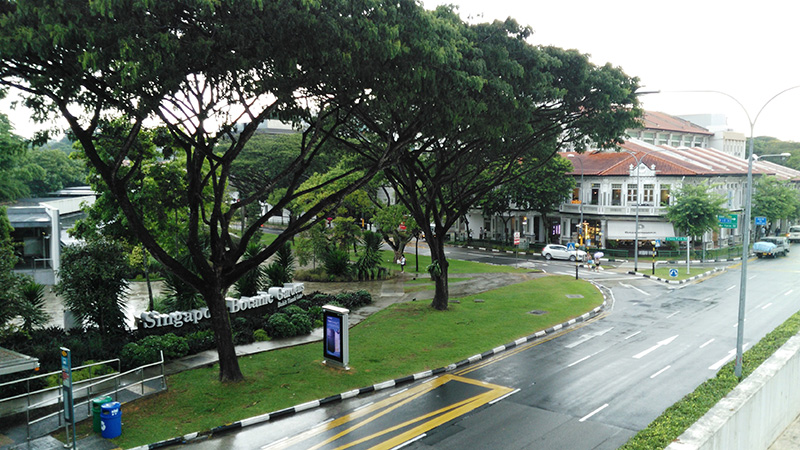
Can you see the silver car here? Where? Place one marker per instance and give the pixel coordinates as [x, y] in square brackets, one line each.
[556, 251]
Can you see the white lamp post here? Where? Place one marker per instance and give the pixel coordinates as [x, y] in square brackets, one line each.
[580, 191]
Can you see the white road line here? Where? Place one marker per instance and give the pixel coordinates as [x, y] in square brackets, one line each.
[635, 288]
[753, 276]
[729, 357]
[399, 392]
[275, 444]
[730, 287]
[593, 413]
[707, 299]
[504, 397]
[582, 359]
[363, 406]
[587, 337]
[766, 306]
[660, 344]
[707, 342]
[659, 372]
[634, 334]
[789, 292]
[673, 315]
[409, 442]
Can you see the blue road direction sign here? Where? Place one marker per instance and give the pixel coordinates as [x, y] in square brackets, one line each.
[728, 220]
[761, 220]
[673, 273]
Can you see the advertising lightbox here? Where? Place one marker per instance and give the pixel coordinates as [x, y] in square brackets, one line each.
[336, 336]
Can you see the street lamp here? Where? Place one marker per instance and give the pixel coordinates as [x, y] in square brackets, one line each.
[746, 225]
[580, 191]
[638, 197]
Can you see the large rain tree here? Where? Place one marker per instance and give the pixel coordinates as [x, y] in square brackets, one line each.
[490, 110]
[209, 72]
[776, 200]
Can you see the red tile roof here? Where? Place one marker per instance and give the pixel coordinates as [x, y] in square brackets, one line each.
[659, 121]
[670, 161]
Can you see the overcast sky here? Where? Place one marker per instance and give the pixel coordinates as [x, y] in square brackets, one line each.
[748, 50]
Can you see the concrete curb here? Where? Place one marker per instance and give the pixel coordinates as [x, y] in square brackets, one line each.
[676, 281]
[188, 438]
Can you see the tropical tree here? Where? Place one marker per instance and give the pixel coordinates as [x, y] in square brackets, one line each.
[695, 209]
[92, 283]
[12, 148]
[281, 270]
[775, 200]
[10, 282]
[501, 104]
[231, 63]
[31, 305]
[397, 227]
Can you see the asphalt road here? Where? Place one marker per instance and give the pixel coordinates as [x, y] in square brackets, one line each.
[590, 387]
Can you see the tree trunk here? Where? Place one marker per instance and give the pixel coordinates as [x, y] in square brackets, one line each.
[223, 335]
[442, 293]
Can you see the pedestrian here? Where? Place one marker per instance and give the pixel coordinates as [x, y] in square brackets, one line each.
[402, 262]
[597, 257]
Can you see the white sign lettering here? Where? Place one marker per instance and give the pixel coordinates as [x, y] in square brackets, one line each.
[289, 293]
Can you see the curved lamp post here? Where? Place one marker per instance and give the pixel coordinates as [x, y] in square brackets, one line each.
[746, 225]
[580, 191]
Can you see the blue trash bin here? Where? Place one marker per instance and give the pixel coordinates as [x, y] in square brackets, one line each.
[110, 420]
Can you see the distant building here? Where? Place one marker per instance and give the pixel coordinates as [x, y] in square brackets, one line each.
[40, 226]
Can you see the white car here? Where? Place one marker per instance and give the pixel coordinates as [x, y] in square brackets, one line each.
[557, 251]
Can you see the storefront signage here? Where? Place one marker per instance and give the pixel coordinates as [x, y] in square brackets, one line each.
[282, 296]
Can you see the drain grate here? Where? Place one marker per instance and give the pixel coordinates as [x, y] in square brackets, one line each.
[574, 296]
[537, 312]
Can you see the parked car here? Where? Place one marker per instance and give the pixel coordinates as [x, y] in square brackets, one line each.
[556, 251]
[794, 233]
[771, 246]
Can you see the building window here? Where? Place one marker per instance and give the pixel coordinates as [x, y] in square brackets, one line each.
[648, 192]
[664, 200]
[616, 194]
[576, 193]
[632, 194]
[595, 194]
[649, 137]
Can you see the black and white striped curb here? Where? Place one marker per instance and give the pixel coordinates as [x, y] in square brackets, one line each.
[187, 438]
[705, 274]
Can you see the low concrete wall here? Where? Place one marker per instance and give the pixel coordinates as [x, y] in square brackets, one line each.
[756, 412]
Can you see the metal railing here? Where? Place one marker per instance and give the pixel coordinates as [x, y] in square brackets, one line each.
[85, 389]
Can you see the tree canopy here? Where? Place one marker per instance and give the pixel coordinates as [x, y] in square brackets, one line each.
[775, 200]
[695, 209]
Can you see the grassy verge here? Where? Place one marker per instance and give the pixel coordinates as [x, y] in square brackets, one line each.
[423, 339]
[663, 271]
[679, 417]
[455, 266]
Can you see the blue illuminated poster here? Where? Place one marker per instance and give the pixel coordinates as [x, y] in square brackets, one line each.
[333, 337]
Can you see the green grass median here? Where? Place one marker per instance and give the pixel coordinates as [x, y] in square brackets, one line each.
[403, 339]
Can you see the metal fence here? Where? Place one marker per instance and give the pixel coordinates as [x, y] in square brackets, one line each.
[118, 385]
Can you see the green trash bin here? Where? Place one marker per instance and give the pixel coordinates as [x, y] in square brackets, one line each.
[96, 409]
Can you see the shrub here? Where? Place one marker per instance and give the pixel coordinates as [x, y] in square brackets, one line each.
[301, 323]
[280, 326]
[260, 335]
[336, 263]
[352, 300]
[147, 350]
[200, 341]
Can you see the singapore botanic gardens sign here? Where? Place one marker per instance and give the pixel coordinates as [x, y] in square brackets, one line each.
[279, 296]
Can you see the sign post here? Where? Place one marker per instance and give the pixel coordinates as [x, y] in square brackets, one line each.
[66, 386]
[336, 337]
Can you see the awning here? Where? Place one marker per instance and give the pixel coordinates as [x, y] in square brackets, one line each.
[618, 229]
[12, 362]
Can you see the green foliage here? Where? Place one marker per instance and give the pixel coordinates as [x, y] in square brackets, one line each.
[281, 270]
[336, 262]
[695, 209]
[775, 199]
[261, 335]
[12, 149]
[31, 306]
[82, 374]
[147, 350]
[370, 257]
[388, 219]
[252, 281]
[200, 341]
[92, 283]
[280, 326]
[353, 300]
